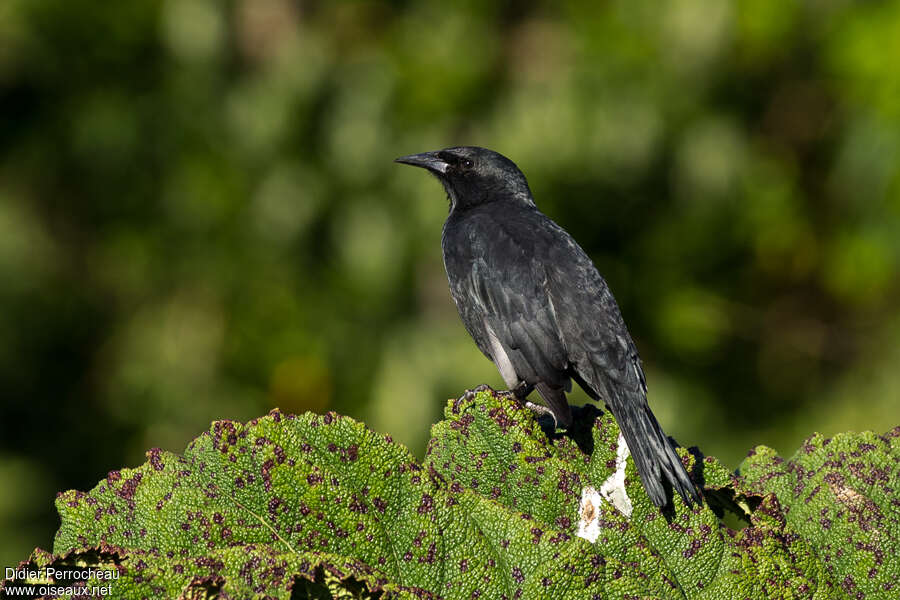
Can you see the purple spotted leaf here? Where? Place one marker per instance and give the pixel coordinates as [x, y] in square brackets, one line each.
[841, 495]
[319, 507]
[582, 483]
[259, 571]
[286, 507]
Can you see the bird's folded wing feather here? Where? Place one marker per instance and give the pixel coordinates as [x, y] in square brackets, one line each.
[600, 349]
[507, 292]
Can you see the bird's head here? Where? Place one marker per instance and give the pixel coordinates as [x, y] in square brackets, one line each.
[473, 175]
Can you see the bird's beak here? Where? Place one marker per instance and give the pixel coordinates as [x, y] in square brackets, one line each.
[426, 160]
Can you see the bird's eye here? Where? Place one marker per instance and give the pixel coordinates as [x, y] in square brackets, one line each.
[466, 163]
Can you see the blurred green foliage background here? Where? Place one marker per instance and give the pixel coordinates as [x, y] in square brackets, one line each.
[199, 217]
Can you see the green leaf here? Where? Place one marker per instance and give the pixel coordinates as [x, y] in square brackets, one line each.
[841, 495]
[321, 507]
[498, 449]
[291, 487]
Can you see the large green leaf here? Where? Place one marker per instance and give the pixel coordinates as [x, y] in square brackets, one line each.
[841, 495]
[319, 506]
[499, 450]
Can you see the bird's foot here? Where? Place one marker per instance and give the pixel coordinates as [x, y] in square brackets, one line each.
[520, 392]
[470, 394]
[540, 410]
[477, 390]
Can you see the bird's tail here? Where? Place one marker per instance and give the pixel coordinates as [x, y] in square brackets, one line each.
[654, 454]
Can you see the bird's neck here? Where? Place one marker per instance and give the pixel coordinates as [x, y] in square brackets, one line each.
[489, 200]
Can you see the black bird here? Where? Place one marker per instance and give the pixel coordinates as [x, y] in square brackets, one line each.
[537, 307]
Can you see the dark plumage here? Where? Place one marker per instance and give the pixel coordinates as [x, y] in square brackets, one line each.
[536, 306]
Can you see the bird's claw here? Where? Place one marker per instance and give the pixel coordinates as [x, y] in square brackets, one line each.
[470, 394]
[541, 411]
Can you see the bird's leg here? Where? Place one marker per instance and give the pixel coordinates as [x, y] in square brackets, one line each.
[518, 392]
[521, 391]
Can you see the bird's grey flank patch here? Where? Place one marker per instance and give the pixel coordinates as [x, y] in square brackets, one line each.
[498, 355]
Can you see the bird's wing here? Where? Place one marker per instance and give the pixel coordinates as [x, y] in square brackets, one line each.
[590, 323]
[605, 362]
[502, 298]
